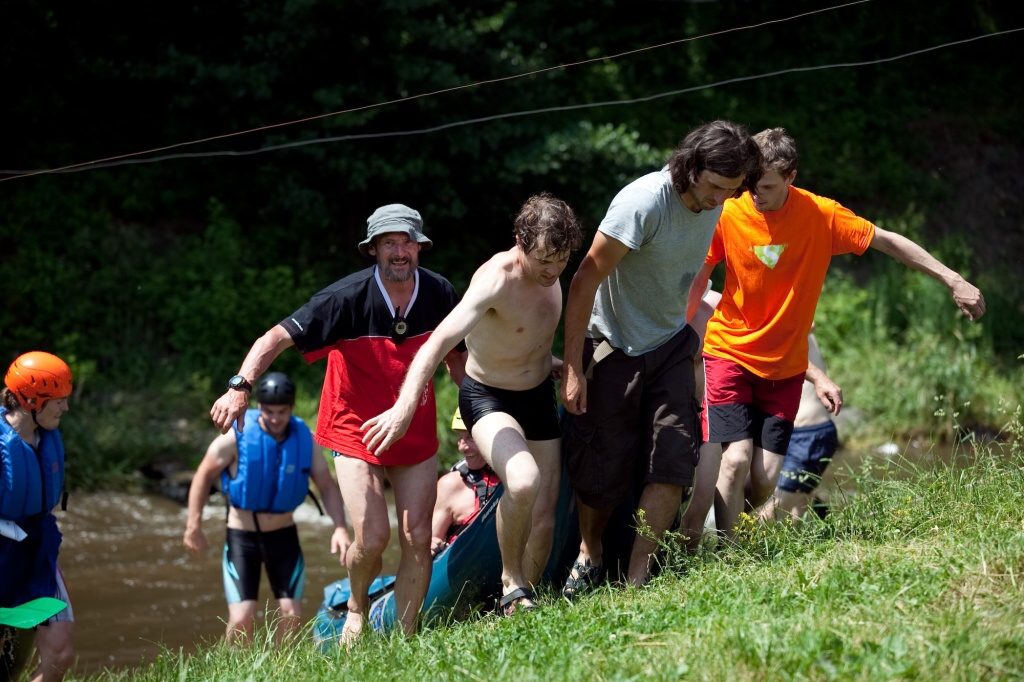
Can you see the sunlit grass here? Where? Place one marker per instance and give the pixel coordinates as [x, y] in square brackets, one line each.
[916, 574]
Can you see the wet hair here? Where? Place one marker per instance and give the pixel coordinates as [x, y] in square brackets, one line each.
[553, 220]
[721, 147]
[9, 400]
[778, 151]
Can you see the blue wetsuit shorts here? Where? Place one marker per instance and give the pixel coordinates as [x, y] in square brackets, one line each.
[811, 448]
[245, 551]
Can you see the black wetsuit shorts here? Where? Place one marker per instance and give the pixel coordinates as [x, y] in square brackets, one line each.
[534, 409]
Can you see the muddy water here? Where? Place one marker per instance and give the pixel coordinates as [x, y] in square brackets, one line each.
[136, 590]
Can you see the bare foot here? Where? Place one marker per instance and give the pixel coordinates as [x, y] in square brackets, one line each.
[352, 630]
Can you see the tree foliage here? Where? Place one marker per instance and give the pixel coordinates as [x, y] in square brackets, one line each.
[147, 271]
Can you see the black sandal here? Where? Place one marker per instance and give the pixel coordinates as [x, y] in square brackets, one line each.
[587, 575]
[510, 604]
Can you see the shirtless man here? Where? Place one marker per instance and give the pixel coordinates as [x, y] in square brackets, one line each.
[508, 318]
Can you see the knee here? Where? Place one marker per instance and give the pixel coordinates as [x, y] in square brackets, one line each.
[60, 657]
[417, 533]
[56, 646]
[372, 539]
[522, 483]
[735, 462]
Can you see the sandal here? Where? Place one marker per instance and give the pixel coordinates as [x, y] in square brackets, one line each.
[587, 575]
[511, 603]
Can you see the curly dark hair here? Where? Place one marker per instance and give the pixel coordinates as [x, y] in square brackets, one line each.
[722, 147]
[545, 216]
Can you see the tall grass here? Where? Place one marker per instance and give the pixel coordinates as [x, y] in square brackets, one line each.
[916, 574]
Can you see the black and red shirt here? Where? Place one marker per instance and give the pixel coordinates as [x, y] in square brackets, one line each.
[350, 322]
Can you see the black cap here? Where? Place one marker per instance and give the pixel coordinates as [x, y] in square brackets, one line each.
[275, 388]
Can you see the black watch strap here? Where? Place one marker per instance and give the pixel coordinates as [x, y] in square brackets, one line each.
[239, 383]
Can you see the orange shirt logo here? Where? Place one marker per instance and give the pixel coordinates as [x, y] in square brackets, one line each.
[770, 254]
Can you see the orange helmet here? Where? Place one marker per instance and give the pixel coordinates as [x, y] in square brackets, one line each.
[37, 377]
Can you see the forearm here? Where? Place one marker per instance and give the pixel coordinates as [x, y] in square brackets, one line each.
[456, 364]
[331, 496]
[264, 351]
[914, 256]
[578, 308]
[697, 288]
[420, 372]
[814, 374]
[198, 496]
[440, 523]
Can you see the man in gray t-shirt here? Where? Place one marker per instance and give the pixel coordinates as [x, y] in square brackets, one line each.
[628, 372]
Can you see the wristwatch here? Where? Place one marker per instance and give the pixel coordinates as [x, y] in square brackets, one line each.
[239, 383]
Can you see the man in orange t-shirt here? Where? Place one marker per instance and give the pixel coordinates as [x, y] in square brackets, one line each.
[777, 242]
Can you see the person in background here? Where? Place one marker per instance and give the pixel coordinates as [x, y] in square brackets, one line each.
[369, 326]
[37, 386]
[265, 473]
[777, 242]
[628, 372]
[508, 318]
[462, 492]
[811, 448]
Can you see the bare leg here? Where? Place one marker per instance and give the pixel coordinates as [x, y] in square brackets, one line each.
[503, 445]
[593, 523]
[241, 622]
[660, 504]
[785, 504]
[732, 476]
[703, 494]
[55, 643]
[289, 619]
[764, 475]
[415, 493]
[362, 489]
[548, 456]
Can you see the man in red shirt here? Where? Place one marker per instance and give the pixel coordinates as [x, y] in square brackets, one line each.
[369, 326]
[777, 242]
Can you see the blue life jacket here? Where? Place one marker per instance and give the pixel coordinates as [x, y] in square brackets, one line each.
[272, 476]
[31, 483]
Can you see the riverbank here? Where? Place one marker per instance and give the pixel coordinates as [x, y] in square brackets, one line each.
[916, 574]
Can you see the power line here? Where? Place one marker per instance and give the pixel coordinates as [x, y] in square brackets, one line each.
[514, 114]
[123, 159]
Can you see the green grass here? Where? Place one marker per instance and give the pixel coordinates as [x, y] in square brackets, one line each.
[914, 575]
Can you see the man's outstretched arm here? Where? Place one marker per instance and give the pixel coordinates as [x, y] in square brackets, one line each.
[967, 296]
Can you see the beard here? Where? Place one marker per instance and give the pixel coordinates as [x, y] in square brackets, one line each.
[394, 275]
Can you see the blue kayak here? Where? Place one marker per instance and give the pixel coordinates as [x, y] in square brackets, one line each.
[466, 575]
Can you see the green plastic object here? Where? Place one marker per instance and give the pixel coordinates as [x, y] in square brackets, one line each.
[31, 613]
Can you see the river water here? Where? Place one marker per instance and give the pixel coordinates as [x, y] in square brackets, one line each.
[136, 590]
